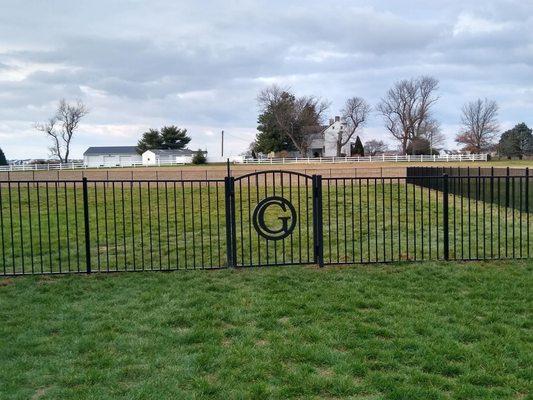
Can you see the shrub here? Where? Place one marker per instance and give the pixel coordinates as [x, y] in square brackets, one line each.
[357, 148]
[3, 160]
[199, 157]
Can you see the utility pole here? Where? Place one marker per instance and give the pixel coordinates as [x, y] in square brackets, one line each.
[222, 143]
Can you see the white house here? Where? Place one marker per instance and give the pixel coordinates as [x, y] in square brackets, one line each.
[324, 139]
[160, 157]
[111, 156]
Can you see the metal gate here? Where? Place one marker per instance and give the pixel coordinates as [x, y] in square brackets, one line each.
[274, 219]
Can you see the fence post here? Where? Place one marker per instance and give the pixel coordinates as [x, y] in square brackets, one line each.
[318, 237]
[507, 197]
[445, 217]
[527, 190]
[527, 208]
[86, 225]
[230, 221]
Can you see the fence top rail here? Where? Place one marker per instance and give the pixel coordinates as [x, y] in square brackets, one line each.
[325, 178]
[485, 176]
[420, 177]
[377, 158]
[114, 181]
[153, 180]
[274, 171]
[40, 181]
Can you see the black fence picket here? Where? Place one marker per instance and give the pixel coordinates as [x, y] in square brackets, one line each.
[263, 218]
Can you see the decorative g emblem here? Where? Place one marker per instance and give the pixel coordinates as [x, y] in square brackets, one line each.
[288, 222]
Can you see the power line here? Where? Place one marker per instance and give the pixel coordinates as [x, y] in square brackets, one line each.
[237, 138]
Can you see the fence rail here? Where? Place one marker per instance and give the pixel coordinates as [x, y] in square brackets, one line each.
[377, 158]
[260, 219]
[78, 165]
[42, 167]
[243, 160]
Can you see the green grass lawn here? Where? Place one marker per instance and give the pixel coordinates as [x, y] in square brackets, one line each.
[402, 331]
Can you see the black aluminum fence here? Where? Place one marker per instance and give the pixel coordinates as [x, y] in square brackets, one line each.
[510, 187]
[105, 226]
[259, 219]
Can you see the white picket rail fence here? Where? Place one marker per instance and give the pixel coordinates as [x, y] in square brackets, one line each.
[271, 161]
[380, 158]
[73, 166]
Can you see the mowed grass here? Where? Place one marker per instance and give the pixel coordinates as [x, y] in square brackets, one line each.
[401, 331]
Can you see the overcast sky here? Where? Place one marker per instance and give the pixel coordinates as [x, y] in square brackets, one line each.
[200, 64]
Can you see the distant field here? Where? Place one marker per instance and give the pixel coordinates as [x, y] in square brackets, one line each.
[218, 171]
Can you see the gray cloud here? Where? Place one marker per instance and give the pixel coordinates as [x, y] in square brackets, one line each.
[139, 64]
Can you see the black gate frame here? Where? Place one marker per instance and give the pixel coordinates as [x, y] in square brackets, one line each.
[231, 231]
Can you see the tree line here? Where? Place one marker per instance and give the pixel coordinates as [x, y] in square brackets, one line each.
[62, 126]
[288, 122]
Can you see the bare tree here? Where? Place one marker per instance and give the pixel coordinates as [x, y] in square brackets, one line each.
[354, 114]
[62, 126]
[480, 125]
[407, 106]
[293, 114]
[430, 130]
[373, 147]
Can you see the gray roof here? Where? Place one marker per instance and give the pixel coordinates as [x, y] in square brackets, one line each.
[176, 152]
[91, 151]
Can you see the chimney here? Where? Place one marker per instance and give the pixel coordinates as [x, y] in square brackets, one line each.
[331, 121]
[337, 118]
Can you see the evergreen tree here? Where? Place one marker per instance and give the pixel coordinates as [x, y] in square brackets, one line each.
[173, 137]
[150, 140]
[286, 121]
[169, 137]
[269, 137]
[199, 157]
[516, 142]
[3, 160]
[357, 148]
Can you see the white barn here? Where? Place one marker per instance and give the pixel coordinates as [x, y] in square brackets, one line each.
[165, 156]
[111, 156]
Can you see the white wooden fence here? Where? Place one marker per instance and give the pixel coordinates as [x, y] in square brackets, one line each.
[72, 166]
[271, 161]
[380, 158]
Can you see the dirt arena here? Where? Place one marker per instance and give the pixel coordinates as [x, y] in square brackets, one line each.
[219, 171]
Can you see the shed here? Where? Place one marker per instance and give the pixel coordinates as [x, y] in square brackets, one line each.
[111, 156]
[166, 156]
